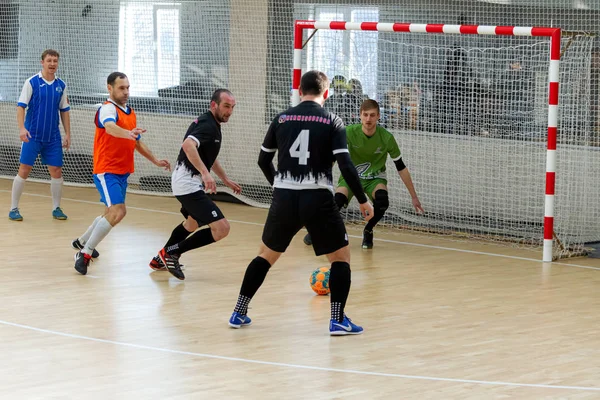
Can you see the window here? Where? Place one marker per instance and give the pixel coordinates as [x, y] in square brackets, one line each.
[166, 36]
[351, 54]
[9, 33]
[149, 52]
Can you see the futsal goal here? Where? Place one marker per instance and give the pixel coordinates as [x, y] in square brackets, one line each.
[496, 150]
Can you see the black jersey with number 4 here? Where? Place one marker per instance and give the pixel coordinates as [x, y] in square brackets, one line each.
[306, 137]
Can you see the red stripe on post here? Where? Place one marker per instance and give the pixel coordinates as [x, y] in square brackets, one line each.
[401, 27]
[550, 179]
[306, 23]
[296, 78]
[552, 131]
[505, 30]
[368, 26]
[298, 30]
[553, 94]
[469, 29]
[434, 28]
[338, 25]
[548, 227]
[555, 45]
[537, 31]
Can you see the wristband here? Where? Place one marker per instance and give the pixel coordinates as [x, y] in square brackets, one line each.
[139, 136]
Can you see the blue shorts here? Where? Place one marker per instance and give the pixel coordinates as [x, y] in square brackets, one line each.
[51, 152]
[112, 188]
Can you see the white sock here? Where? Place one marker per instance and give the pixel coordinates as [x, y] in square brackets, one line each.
[56, 186]
[99, 232]
[17, 191]
[86, 236]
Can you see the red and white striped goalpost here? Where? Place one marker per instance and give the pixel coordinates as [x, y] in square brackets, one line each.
[553, 82]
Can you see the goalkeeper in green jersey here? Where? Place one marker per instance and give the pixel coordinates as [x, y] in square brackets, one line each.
[369, 146]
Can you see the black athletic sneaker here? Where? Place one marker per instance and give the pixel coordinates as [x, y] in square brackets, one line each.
[172, 264]
[157, 264]
[82, 260]
[367, 239]
[307, 240]
[78, 246]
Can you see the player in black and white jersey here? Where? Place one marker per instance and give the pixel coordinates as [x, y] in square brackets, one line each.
[308, 140]
[191, 180]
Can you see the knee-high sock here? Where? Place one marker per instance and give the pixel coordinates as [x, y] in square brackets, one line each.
[179, 234]
[86, 236]
[199, 239]
[255, 276]
[339, 285]
[102, 229]
[380, 204]
[17, 191]
[56, 186]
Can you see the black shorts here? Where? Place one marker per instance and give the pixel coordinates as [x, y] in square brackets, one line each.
[200, 207]
[315, 209]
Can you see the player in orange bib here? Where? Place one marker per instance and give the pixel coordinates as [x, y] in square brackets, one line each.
[117, 138]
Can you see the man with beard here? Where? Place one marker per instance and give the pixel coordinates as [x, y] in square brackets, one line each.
[191, 180]
[117, 138]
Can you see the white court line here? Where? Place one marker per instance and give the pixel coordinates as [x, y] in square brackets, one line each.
[299, 366]
[483, 253]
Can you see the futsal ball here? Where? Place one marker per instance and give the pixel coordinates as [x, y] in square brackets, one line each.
[319, 281]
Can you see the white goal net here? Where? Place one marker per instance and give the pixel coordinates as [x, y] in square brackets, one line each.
[469, 112]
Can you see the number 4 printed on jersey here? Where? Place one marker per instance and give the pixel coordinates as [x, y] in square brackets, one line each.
[299, 148]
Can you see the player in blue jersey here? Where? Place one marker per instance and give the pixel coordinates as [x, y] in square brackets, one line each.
[45, 98]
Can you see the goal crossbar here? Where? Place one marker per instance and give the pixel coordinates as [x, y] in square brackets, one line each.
[554, 35]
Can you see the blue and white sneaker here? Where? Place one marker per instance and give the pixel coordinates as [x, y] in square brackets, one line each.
[15, 215]
[238, 320]
[57, 213]
[346, 327]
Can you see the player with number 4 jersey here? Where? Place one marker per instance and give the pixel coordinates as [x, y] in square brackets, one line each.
[308, 140]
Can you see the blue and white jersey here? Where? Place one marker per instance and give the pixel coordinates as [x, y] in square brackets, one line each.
[43, 101]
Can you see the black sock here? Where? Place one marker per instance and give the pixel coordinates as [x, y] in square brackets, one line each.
[241, 306]
[199, 239]
[372, 222]
[380, 204]
[254, 277]
[337, 311]
[179, 234]
[377, 215]
[339, 285]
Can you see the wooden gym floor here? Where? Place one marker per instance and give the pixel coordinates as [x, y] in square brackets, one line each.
[442, 319]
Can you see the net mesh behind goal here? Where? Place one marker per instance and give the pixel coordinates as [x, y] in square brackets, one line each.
[469, 112]
[175, 53]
